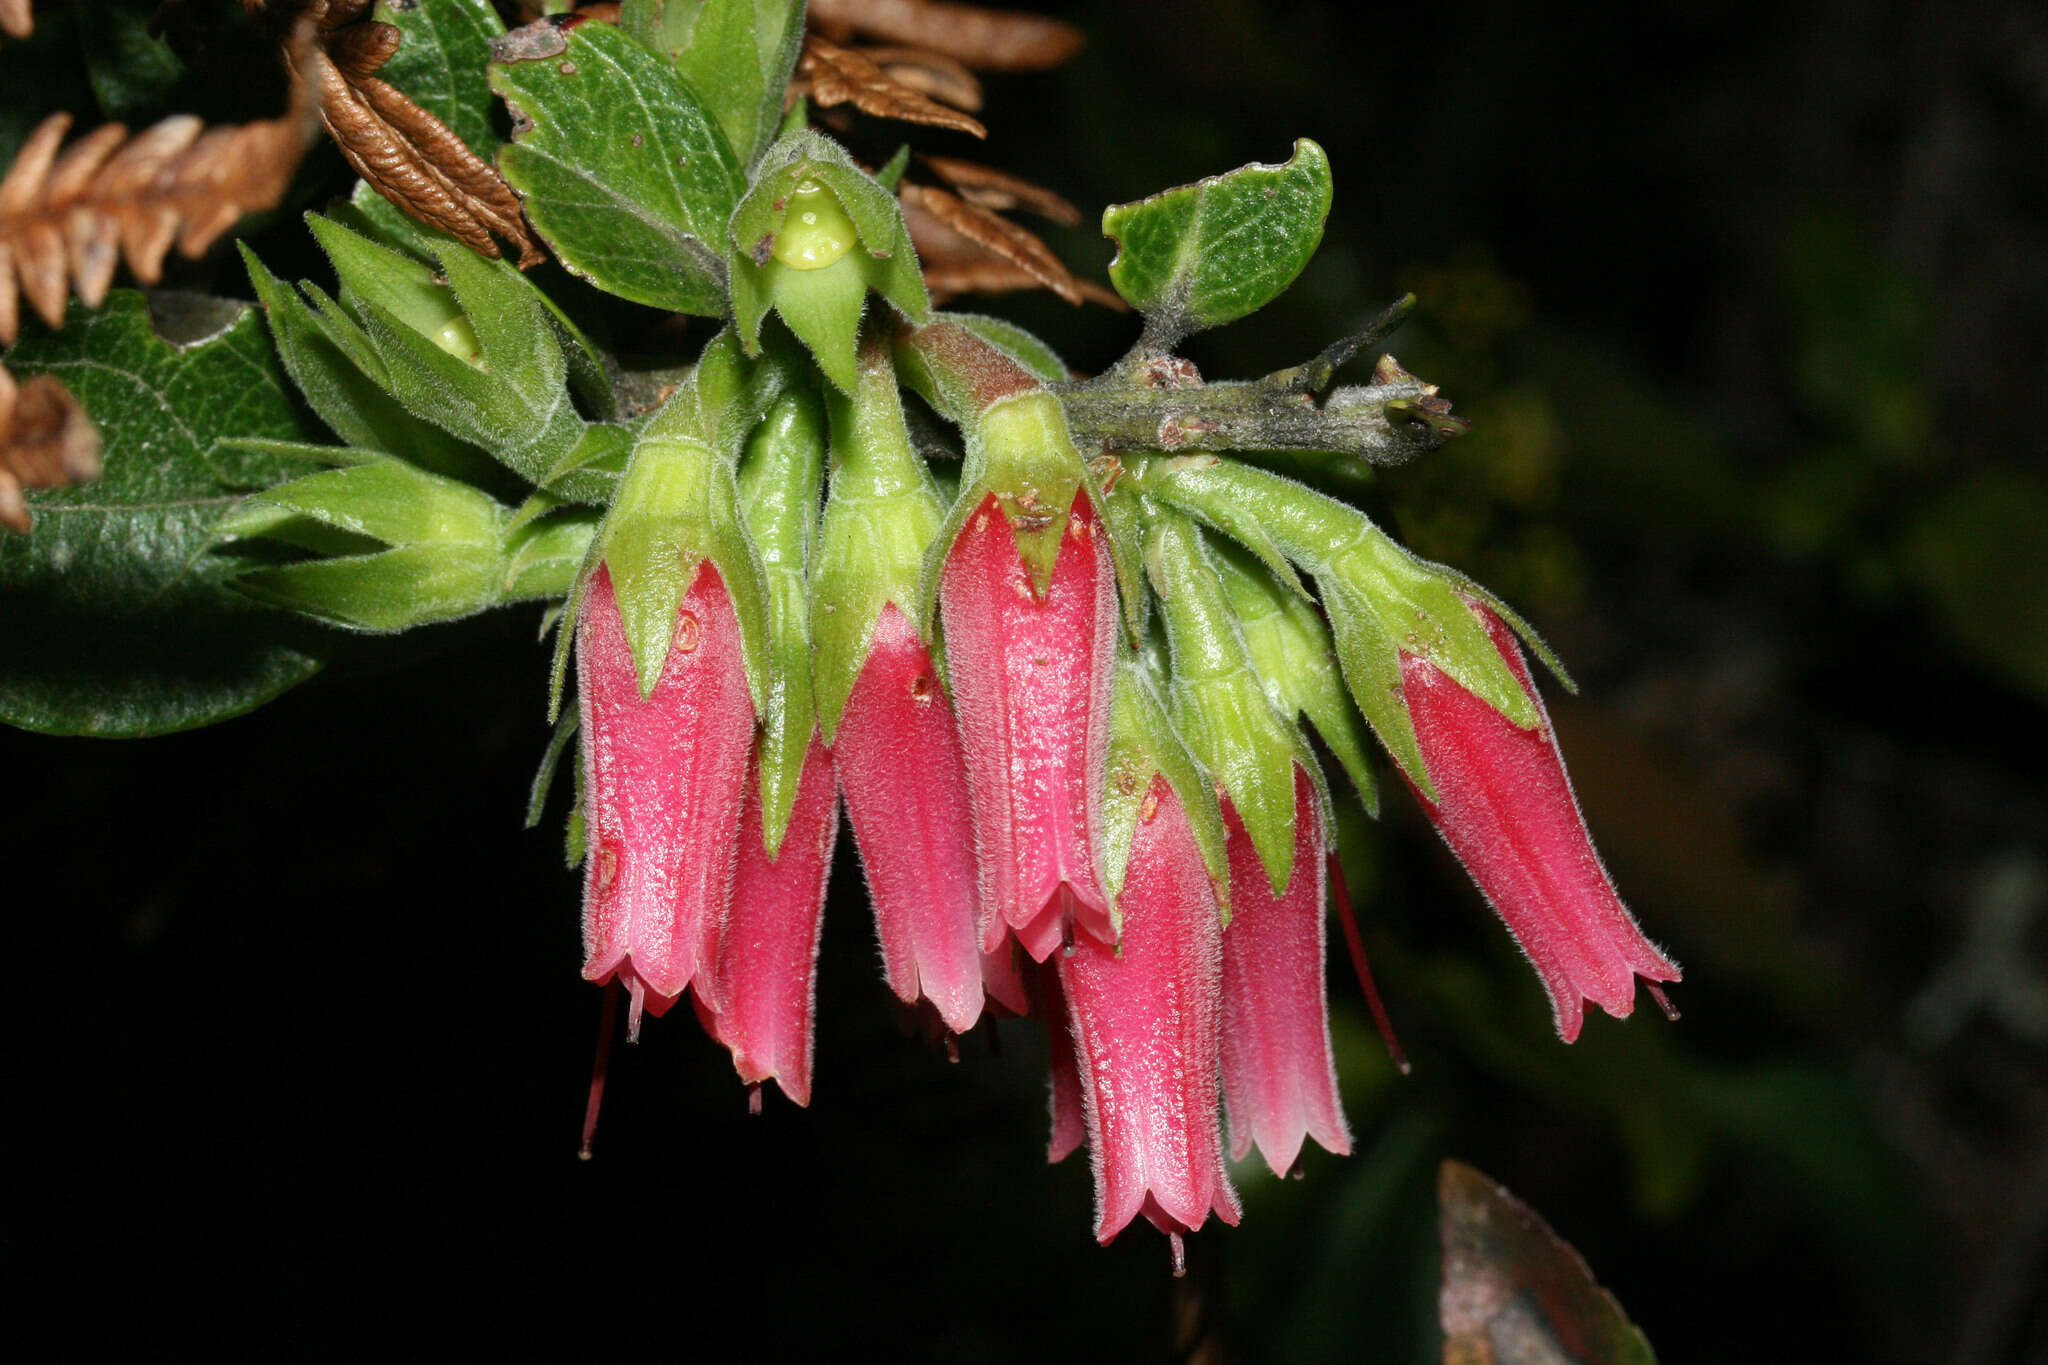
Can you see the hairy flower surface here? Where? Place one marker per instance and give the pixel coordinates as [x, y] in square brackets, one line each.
[1031, 680]
[1506, 808]
[664, 786]
[1279, 1081]
[1144, 1020]
[768, 952]
[906, 794]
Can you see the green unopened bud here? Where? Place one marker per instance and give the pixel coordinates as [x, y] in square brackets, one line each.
[779, 478]
[809, 240]
[399, 547]
[817, 231]
[1219, 703]
[1292, 653]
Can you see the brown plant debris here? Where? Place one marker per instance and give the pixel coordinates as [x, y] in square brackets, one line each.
[985, 39]
[17, 18]
[405, 153]
[46, 441]
[69, 215]
[967, 249]
[831, 74]
[990, 188]
[929, 73]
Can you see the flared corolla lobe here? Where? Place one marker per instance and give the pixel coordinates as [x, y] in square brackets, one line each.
[664, 785]
[1506, 808]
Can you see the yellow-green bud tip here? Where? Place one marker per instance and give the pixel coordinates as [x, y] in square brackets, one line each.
[816, 232]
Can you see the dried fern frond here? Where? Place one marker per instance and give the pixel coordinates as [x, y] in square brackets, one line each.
[967, 249]
[68, 217]
[831, 74]
[929, 73]
[985, 39]
[17, 18]
[993, 189]
[405, 153]
[46, 441]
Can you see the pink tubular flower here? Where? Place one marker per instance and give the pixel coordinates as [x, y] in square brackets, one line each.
[906, 794]
[768, 954]
[1144, 1024]
[1031, 688]
[664, 781]
[1279, 1082]
[1506, 809]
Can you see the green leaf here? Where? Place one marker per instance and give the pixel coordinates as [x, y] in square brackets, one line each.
[133, 74]
[1514, 1293]
[624, 172]
[119, 621]
[440, 63]
[738, 59]
[1211, 252]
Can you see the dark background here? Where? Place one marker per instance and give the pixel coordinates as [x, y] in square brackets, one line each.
[1751, 315]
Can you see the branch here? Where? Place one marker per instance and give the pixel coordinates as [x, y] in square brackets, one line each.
[1161, 403]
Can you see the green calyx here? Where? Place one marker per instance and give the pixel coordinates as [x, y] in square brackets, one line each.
[1019, 451]
[1293, 655]
[1382, 601]
[1219, 703]
[881, 515]
[677, 507]
[779, 477]
[809, 240]
[1143, 744]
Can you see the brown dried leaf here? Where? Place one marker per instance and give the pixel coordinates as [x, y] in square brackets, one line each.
[965, 248]
[67, 217]
[405, 153]
[993, 189]
[838, 75]
[929, 73]
[985, 39]
[46, 441]
[1514, 1292]
[17, 18]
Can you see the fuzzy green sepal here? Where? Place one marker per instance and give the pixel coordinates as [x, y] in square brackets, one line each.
[779, 478]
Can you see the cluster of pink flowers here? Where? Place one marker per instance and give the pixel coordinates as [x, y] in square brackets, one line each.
[978, 788]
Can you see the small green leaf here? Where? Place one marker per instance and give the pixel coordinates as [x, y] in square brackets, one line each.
[133, 74]
[625, 173]
[550, 761]
[440, 63]
[1211, 252]
[119, 622]
[738, 59]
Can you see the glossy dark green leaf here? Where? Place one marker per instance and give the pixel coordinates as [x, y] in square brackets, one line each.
[625, 173]
[1514, 1293]
[440, 63]
[1211, 252]
[118, 618]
